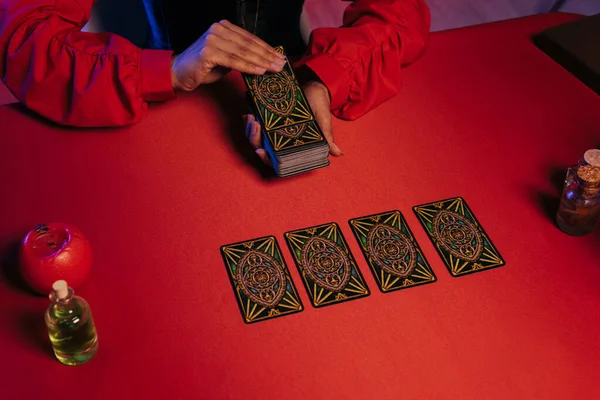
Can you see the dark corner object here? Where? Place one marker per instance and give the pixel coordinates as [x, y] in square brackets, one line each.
[576, 46]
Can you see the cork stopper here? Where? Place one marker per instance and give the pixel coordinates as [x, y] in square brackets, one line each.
[589, 175]
[592, 157]
[61, 288]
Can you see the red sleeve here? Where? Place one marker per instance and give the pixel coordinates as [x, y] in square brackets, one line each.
[72, 77]
[361, 62]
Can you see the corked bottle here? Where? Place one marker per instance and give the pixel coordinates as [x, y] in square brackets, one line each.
[70, 326]
[590, 157]
[579, 209]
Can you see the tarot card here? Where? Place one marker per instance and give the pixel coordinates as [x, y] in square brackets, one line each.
[294, 136]
[394, 256]
[458, 237]
[278, 98]
[260, 279]
[328, 269]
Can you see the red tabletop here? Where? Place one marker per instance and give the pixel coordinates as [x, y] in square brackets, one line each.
[484, 115]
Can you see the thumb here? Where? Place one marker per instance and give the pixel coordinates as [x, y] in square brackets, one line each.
[325, 123]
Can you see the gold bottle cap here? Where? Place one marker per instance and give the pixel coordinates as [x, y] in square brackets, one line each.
[589, 174]
[61, 288]
[592, 157]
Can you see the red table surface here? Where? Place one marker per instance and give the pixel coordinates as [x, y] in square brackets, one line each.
[484, 115]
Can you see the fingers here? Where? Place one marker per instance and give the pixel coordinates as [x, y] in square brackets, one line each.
[253, 133]
[318, 99]
[254, 38]
[231, 61]
[324, 121]
[222, 48]
[231, 49]
[262, 154]
[248, 119]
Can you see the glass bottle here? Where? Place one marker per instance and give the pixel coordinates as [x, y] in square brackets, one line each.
[70, 326]
[590, 157]
[579, 209]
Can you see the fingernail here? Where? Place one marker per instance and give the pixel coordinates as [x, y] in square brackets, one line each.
[260, 70]
[276, 66]
[336, 150]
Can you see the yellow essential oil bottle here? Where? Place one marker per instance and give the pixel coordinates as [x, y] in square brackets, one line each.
[70, 326]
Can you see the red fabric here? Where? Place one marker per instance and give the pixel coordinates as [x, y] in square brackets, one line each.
[6, 96]
[155, 75]
[92, 79]
[158, 198]
[104, 80]
[361, 63]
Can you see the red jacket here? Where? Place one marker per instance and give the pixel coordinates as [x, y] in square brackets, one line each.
[100, 79]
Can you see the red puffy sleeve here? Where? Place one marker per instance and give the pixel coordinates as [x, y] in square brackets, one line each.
[72, 77]
[361, 62]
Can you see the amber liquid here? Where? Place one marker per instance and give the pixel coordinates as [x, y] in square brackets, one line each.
[577, 216]
[72, 331]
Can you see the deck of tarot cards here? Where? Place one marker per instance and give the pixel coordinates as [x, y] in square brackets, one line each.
[291, 136]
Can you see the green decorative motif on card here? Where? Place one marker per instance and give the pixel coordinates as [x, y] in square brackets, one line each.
[278, 98]
[458, 237]
[329, 271]
[394, 257]
[296, 135]
[260, 279]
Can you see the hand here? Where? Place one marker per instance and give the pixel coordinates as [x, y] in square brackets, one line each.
[318, 98]
[317, 95]
[222, 48]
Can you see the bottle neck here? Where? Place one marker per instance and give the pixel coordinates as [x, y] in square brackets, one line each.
[588, 190]
[64, 301]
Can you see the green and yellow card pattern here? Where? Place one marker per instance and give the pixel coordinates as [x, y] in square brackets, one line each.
[295, 135]
[282, 108]
[458, 237]
[260, 279]
[395, 258]
[327, 267]
[278, 98]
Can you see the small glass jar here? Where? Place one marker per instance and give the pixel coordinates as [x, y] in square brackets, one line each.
[579, 209]
[590, 157]
[70, 326]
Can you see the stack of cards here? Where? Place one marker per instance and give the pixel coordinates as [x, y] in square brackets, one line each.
[291, 136]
